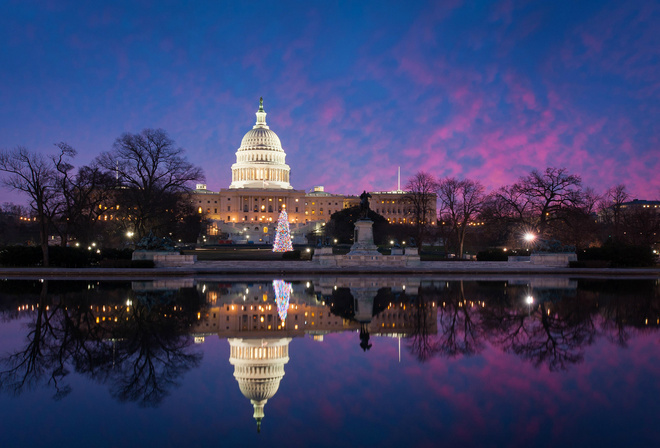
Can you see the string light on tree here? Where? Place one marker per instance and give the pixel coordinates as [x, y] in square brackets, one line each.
[283, 235]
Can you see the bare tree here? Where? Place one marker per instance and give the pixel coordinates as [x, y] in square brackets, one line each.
[421, 198]
[153, 175]
[461, 202]
[540, 201]
[548, 193]
[82, 195]
[612, 208]
[33, 174]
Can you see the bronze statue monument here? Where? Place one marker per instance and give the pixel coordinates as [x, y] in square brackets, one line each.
[364, 205]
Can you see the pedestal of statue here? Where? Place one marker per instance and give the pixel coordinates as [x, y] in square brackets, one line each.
[363, 238]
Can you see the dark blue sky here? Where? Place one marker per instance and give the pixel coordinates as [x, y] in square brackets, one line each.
[486, 90]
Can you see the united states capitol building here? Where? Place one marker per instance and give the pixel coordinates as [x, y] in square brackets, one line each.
[260, 189]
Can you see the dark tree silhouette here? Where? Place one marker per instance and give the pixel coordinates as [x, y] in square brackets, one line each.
[34, 174]
[421, 198]
[461, 202]
[154, 178]
[141, 350]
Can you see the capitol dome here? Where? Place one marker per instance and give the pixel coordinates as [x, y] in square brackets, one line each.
[261, 138]
[258, 369]
[260, 160]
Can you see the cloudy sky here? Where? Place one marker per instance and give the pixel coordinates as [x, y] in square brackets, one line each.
[484, 90]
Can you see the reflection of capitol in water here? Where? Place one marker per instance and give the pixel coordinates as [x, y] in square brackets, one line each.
[259, 368]
[259, 321]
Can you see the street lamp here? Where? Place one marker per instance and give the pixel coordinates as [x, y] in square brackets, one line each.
[529, 237]
[530, 301]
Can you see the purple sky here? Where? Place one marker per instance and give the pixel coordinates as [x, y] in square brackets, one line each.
[482, 90]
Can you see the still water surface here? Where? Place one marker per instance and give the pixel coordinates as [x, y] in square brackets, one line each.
[330, 362]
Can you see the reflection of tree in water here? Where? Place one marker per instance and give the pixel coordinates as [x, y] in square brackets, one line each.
[549, 332]
[26, 368]
[421, 342]
[458, 322]
[141, 349]
[151, 351]
[625, 306]
[342, 303]
[459, 331]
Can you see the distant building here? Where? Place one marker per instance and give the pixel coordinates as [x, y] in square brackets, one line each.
[260, 189]
[641, 204]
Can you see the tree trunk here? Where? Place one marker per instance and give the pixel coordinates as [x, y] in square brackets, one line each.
[43, 233]
[461, 240]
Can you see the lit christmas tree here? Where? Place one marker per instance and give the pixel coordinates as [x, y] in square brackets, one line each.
[283, 292]
[283, 236]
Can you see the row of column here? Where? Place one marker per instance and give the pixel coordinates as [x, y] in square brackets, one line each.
[262, 200]
[265, 174]
[260, 352]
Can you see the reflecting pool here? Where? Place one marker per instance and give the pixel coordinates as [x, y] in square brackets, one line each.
[330, 361]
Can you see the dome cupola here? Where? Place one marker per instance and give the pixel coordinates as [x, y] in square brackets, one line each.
[260, 160]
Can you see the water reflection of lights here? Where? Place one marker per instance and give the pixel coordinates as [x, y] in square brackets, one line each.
[283, 292]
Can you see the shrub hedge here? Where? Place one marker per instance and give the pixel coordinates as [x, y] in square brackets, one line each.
[619, 255]
[141, 264]
[66, 257]
[292, 255]
[492, 255]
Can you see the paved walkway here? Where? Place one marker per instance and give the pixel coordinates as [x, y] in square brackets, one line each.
[302, 268]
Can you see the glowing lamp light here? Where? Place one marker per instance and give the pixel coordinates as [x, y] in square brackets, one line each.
[529, 237]
[529, 300]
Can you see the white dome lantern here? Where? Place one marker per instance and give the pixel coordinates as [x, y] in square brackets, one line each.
[260, 160]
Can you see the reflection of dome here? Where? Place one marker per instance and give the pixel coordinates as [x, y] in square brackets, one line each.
[260, 161]
[259, 368]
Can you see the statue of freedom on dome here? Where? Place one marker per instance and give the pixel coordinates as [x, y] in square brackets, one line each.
[364, 204]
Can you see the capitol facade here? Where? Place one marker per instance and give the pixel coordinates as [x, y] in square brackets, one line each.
[260, 190]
